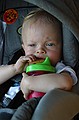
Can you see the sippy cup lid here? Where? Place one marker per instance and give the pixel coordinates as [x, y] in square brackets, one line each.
[43, 66]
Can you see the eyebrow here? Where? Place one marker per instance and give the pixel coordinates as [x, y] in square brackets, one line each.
[48, 38]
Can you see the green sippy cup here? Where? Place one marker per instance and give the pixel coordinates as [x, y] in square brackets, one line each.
[39, 69]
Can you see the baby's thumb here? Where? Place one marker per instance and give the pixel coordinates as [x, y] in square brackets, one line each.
[25, 97]
[24, 75]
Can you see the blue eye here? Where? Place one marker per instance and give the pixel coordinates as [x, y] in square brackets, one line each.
[31, 45]
[50, 44]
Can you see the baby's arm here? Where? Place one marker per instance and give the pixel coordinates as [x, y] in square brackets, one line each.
[8, 71]
[47, 82]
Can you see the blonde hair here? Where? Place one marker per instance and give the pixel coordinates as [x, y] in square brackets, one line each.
[41, 15]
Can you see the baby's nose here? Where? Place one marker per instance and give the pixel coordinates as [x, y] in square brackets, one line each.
[40, 52]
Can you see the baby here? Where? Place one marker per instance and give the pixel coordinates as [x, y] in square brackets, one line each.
[41, 37]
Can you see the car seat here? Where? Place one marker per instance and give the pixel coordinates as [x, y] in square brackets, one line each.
[64, 105]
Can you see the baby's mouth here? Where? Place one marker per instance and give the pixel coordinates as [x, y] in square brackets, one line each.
[38, 60]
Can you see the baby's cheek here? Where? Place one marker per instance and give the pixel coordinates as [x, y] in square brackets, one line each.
[29, 52]
[54, 58]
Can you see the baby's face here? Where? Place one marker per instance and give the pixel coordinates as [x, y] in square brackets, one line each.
[42, 40]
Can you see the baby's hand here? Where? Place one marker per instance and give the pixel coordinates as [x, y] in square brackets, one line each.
[22, 62]
[24, 85]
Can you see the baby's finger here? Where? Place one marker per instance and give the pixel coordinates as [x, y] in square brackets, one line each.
[25, 97]
[31, 58]
[24, 75]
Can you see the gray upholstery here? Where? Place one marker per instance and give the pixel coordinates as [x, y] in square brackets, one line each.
[1, 42]
[57, 105]
[70, 47]
[12, 38]
[6, 114]
[12, 41]
[67, 11]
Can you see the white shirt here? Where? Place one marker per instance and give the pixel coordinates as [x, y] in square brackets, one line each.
[60, 67]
